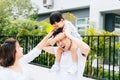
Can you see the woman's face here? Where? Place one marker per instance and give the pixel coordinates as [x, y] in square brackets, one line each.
[19, 51]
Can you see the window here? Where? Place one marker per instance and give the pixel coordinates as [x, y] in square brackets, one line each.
[81, 21]
[117, 24]
[117, 21]
[82, 25]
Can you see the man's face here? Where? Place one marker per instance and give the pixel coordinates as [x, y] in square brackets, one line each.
[64, 43]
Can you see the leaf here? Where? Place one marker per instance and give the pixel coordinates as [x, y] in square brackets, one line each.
[49, 28]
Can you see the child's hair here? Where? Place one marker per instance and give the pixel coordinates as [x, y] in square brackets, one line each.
[55, 17]
[57, 31]
[8, 52]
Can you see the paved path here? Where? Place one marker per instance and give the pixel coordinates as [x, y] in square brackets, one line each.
[41, 73]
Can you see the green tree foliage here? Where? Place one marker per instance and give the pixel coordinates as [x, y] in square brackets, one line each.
[22, 9]
[17, 18]
[46, 26]
[22, 28]
[5, 11]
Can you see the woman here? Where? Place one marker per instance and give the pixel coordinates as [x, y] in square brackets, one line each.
[12, 61]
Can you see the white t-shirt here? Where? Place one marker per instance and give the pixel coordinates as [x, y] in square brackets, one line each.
[9, 74]
[72, 28]
[66, 62]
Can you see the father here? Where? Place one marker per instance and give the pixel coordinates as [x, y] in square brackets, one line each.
[64, 40]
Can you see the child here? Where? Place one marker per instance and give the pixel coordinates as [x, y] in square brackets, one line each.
[58, 22]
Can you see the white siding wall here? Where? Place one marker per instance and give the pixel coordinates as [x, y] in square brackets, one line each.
[97, 6]
[62, 5]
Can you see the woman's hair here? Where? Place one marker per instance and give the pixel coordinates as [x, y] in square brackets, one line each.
[55, 17]
[7, 52]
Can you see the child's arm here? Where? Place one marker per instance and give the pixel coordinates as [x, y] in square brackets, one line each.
[70, 28]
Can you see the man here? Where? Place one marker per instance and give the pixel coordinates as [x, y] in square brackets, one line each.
[65, 40]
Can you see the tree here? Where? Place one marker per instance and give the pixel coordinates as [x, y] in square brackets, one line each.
[18, 9]
[11, 10]
[4, 13]
[23, 9]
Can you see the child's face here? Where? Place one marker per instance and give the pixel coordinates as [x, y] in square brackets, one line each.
[59, 24]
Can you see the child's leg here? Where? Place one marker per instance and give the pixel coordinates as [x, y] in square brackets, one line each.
[56, 65]
[73, 50]
[73, 68]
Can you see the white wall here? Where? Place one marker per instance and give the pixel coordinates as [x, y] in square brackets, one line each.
[97, 6]
[62, 5]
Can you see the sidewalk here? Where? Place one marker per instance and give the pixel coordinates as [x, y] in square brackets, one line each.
[41, 73]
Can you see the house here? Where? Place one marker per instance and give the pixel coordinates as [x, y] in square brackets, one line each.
[104, 13]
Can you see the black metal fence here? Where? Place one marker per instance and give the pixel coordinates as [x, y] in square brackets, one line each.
[103, 61]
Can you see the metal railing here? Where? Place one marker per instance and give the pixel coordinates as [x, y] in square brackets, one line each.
[103, 61]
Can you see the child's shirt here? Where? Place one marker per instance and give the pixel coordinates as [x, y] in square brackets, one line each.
[73, 30]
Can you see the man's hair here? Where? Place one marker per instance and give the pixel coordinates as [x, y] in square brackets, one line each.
[55, 17]
[57, 31]
[8, 52]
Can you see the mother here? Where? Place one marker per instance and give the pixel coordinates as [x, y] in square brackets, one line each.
[13, 64]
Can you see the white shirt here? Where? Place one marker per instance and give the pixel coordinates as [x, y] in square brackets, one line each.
[73, 30]
[66, 62]
[9, 74]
